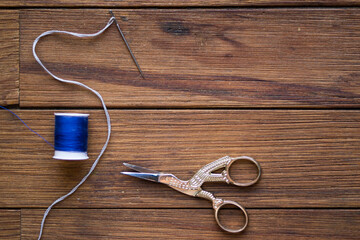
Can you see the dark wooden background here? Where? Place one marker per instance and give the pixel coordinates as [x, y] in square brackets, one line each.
[275, 80]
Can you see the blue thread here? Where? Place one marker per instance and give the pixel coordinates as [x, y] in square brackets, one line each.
[71, 132]
[27, 125]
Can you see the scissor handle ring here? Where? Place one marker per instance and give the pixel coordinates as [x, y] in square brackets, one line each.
[228, 202]
[243, 158]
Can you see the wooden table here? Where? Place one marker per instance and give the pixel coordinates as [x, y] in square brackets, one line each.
[275, 80]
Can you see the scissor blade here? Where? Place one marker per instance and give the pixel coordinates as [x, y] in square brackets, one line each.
[154, 177]
[140, 169]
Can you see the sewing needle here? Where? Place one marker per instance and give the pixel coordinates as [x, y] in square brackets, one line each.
[127, 45]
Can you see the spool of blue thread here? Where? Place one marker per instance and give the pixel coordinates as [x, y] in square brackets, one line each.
[71, 136]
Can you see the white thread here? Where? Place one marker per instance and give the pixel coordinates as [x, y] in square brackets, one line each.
[112, 19]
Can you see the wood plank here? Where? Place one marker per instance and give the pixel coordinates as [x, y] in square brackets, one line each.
[9, 57]
[10, 3]
[177, 224]
[309, 158]
[196, 58]
[174, 3]
[9, 224]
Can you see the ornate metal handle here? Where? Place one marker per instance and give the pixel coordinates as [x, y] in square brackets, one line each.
[218, 203]
[228, 202]
[243, 158]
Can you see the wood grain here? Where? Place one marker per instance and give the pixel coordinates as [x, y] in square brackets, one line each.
[9, 57]
[196, 58]
[10, 3]
[9, 224]
[174, 3]
[178, 224]
[309, 158]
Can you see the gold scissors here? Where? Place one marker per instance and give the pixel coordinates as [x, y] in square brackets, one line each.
[192, 187]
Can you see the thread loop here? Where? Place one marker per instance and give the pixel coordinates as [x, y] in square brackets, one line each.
[111, 20]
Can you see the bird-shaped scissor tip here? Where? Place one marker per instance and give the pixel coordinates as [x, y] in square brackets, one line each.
[142, 173]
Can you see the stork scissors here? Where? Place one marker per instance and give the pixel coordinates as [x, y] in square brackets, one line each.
[192, 187]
